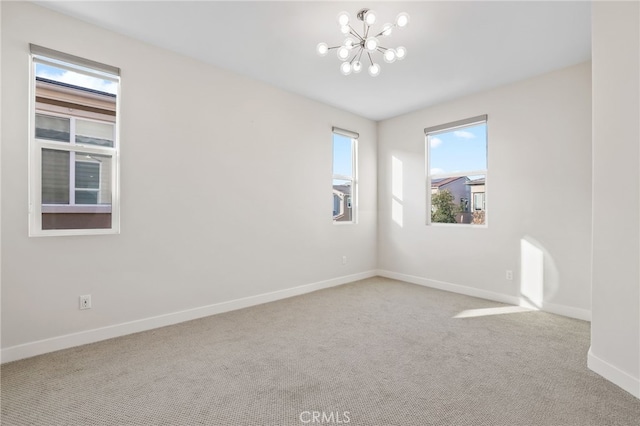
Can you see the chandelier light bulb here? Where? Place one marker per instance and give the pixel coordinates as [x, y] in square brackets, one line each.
[374, 70]
[402, 20]
[401, 52]
[349, 43]
[370, 17]
[371, 44]
[322, 49]
[389, 56]
[386, 30]
[343, 53]
[357, 67]
[345, 68]
[345, 29]
[343, 18]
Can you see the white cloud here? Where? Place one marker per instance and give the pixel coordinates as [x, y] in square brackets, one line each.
[463, 134]
[437, 171]
[80, 80]
[435, 142]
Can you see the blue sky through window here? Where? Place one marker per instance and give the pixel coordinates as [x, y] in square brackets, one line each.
[460, 150]
[75, 78]
[342, 155]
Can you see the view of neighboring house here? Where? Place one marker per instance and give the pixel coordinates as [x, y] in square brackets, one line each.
[458, 187]
[76, 191]
[477, 194]
[342, 211]
[468, 195]
[478, 206]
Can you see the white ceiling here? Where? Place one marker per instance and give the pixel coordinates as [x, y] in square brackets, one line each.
[453, 48]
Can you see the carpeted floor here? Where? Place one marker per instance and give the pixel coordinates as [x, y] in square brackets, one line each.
[375, 352]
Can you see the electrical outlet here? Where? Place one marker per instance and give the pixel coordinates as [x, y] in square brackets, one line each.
[509, 275]
[85, 301]
[344, 260]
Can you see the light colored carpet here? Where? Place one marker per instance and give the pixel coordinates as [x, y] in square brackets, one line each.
[374, 352]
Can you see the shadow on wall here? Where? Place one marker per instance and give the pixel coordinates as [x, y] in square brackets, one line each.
[538, 274]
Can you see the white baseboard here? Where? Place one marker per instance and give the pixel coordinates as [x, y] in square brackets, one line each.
[567, 311]
[613, 374]
[454, 288]
[563, 310]
[40, 347]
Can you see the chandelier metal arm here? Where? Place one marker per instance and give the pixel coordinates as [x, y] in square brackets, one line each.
[355, 33]
[385, 30]
[356, 55]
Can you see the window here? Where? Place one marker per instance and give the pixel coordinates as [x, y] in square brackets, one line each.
[73, 146]
[344, 175]
[457, 172]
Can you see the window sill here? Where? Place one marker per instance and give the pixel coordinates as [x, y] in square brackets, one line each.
[97, 208]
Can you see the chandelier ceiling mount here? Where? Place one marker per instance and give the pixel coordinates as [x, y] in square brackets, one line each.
[358, 47]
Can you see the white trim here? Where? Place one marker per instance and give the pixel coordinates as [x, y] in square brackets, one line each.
[613, 374]
[464, 173]
[454, 288]
[567, 311]
[78, 208]
[467, 122]
[39, 347]
[83, 65]
[347, 133]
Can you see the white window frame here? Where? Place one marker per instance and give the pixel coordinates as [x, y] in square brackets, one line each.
[353, 178]
[445, 128]
[36, 209]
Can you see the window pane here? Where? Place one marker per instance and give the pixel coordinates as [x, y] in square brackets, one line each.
[93, 172]
[86, 197]
[65, 77]
[55, 176]
[342, 200]
[87, 175]
[342, 155]
[91, 204]
[450, 199]
[457, 150]
[94, 133]
[52, 128]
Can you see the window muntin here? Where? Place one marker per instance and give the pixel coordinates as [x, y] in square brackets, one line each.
[344, 176]
[457, 172]
[74, 148]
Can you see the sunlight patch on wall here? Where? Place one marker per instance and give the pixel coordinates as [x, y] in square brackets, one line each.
[531, 275]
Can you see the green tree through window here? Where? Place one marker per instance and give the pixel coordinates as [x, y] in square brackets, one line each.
[444, 208]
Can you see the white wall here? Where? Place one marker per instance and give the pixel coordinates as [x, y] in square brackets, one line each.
[226, 194]
[538, 195]
[615, 329]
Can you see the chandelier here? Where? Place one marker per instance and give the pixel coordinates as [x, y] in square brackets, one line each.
[358, 47]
